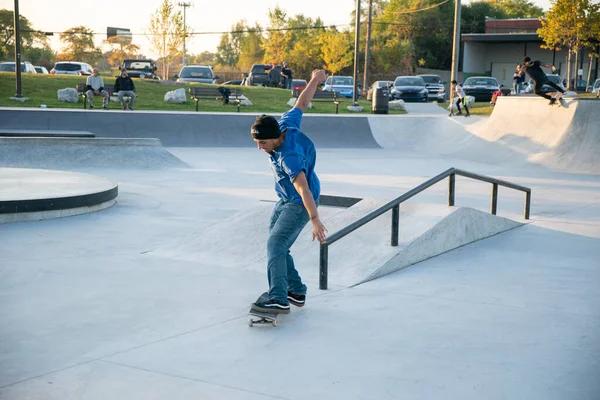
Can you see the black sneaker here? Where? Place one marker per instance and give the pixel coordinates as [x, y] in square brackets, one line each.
[91, 107]
[552, 101]
[296, 299]
[271, 306]
[105, 107]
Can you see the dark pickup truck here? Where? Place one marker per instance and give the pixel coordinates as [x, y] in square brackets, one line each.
[259, 76]
[140, 68]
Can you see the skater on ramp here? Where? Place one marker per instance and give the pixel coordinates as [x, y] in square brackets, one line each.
[535, 72]
[292, 155]
[459, 93]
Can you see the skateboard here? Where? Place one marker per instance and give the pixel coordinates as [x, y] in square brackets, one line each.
[560, 102]
[263, 317]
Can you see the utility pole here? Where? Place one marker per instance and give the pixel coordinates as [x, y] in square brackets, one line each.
[456, 43]
[17, 50]
[356, 53]
[185, 5]
[368, 48]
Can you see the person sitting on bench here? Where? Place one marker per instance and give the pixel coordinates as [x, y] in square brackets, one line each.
[95, 86]
[124, 85]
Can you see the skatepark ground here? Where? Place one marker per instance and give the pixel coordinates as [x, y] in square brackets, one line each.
[89, 310]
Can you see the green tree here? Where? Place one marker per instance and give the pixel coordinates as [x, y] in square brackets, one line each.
[251, 51]
[305, 54]
[79, 45]
[226, 54]
[29, 36]
[473, 15]
[336, 48]
[276, 45]
[43, 56]
[166, 32]
[518, 8]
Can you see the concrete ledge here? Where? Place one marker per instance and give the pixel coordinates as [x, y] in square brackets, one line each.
[31, 195]
[70, 153]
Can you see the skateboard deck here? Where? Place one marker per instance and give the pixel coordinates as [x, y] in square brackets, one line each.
[263, 317]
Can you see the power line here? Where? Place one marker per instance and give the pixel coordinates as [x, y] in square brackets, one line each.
[419, 10]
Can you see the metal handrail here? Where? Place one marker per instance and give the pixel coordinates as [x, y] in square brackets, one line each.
[394, 205]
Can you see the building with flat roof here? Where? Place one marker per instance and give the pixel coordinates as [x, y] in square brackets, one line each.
[504, 44]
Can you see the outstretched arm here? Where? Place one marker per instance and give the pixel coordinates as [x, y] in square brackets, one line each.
[301, 185]
[318, 76]
[552, 67]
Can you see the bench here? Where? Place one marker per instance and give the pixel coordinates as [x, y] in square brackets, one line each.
[198, 93]
[323, 96]
[82, 89]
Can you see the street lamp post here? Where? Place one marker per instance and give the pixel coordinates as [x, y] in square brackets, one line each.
[456, 43]
[17, 50]
[356, 53]
[185, 5]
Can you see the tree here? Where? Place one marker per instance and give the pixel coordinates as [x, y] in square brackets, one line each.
[518, 8]
[79, 45]
[276, 46]
[121, 49]
[43, 56]
[166, 34]
[226, 54]
[251, 51]
[473, 16]
[337, 50]
[29, 37]
[305, 54]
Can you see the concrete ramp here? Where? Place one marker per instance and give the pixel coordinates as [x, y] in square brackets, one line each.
[426, 230]
[564, 138]
[66, 153]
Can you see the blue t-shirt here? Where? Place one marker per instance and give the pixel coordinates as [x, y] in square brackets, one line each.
[296, 154]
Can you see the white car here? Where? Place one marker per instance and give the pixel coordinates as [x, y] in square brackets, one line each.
[596, 88]
[40, 70]
[9, 66]
[71, 68]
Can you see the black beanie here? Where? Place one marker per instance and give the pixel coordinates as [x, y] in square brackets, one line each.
[265, 127]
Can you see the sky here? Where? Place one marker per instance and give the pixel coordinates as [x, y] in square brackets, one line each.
[202, 16]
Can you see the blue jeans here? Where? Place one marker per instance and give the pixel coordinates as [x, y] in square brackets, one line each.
[287, 220]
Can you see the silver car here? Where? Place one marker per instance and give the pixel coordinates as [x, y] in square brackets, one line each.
[596, 88]
[197, 73]
[9, 66]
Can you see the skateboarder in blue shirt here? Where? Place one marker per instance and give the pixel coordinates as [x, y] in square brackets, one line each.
[532, 68]
[292, 155]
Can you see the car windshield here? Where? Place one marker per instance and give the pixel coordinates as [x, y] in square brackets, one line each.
[67, 67]
[383, 83]
[138, 65]
[481, 82]
[432, 79]
[299, 82]
[409, 81]
[597, 84]
[196, 72]
[260, 69]
[10, 67]
[342, 81]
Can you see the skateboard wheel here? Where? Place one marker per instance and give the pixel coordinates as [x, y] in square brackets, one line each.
[250, 323]
[274, 323]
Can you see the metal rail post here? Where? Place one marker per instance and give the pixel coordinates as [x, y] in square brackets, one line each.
[494, 201]
[395, 224]
[451, 188]
[323, 266]
[527, 204]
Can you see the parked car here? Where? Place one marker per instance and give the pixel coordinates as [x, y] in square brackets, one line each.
[409, 88]
[435, 87]
[596, 88]
[377, 84]
[344, 85]
[481, 87]
[142, 68]
[545, 88]
[40, 70]
[197, 73]
[71, 68]
[9, 66]
[299, 84]
[259, 76]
